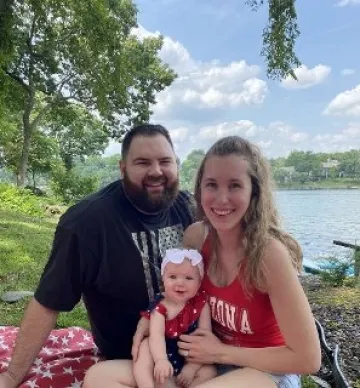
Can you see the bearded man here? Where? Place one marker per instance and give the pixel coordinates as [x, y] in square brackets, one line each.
[107, 250]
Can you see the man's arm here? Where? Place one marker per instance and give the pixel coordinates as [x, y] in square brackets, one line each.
[35, 328]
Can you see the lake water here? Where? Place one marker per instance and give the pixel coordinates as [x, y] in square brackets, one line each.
[317, 217]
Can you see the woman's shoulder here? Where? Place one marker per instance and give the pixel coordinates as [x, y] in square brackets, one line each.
[194, 235]
[276, 259]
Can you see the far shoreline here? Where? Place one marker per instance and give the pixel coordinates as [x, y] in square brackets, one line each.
[299, 188]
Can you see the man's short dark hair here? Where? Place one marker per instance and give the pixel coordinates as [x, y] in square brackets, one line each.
[143, 130]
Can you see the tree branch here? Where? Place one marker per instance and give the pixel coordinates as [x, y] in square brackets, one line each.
[40, 115]
[18, 79]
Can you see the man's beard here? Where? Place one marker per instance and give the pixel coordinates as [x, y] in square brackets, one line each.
[141, 199]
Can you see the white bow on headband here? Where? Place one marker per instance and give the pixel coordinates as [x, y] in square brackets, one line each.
[177, 256]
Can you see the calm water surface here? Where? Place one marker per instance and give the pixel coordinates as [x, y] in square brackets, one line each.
[317, 217]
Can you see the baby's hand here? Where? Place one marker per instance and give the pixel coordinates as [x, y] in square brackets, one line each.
[162, 371]
[186, 376]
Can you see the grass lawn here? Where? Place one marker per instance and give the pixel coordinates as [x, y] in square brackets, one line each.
[25, 243]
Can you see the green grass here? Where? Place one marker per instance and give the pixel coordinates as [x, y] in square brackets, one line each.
[336, 296]
[307, 382]
[25, 243]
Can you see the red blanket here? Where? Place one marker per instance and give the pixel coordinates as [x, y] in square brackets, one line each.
[62, 362]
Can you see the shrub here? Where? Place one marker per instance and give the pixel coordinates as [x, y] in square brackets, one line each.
[20, 200]
[70, 186]
[335, 271]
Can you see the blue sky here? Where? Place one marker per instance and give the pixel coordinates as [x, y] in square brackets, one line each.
[222, 88]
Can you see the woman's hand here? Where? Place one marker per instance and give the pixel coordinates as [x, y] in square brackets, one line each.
[142, 331]
[201, 347]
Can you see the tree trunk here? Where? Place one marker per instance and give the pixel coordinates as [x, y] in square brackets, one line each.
[27, 133]
[24, 157]
[33, 176]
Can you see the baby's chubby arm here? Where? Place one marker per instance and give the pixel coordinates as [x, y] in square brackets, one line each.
[163, 368]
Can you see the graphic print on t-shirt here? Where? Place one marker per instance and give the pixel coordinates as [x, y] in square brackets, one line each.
[152, 246]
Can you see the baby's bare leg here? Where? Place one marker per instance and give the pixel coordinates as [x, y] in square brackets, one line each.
[205, 373]
[144, 367]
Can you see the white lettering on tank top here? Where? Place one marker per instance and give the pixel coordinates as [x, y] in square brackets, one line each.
[230, 316]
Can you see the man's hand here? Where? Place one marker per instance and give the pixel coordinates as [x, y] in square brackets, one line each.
[187, 375]
[142, 331]
[162, 371]
[6, 381]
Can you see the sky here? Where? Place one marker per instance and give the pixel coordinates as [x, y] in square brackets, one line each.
[222, 87]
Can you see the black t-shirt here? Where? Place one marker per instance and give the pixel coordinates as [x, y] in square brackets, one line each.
[109, 253]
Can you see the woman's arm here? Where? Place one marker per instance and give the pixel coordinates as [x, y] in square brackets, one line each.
[301, 353]
[157, 336]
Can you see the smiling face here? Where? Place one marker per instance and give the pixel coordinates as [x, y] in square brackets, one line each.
[225, 191]
[150, 173]
[181, 281]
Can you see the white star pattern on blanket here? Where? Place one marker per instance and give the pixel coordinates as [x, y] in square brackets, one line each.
[62, 362]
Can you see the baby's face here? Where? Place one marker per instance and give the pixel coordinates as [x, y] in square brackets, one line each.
[181, 281]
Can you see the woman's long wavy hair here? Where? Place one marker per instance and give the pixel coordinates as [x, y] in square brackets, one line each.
[260, 222]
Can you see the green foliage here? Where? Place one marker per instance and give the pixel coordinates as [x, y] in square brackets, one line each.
[42, 153]
[335, 271]
[279, 37]
[105, 169]
[304, 161]
[357, 383]
[78, 134]
[78, 51]
[307, 382]
[20, 200]
[69, 186]
[189, 168]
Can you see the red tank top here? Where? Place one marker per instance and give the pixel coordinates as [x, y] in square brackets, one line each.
[238, 319]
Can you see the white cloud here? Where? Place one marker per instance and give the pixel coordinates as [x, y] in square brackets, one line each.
[345, 104]
[346, 72]
[204, 85]
[306, 77]
[275, 139]
[343, 3]
[242, 128]
[352, 130]
[347, 139]
[179, 135]
[172, 52]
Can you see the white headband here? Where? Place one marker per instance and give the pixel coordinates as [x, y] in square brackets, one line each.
[177, 256]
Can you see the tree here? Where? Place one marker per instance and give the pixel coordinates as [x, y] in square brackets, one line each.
[105, 169]
[81, 51]
[78, 134]
[43, 155]
[43, 152]
[304, 161]
[350, 163]
[279, 37]
[189, 168]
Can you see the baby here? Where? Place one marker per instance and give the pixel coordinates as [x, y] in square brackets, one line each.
[181, 309]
